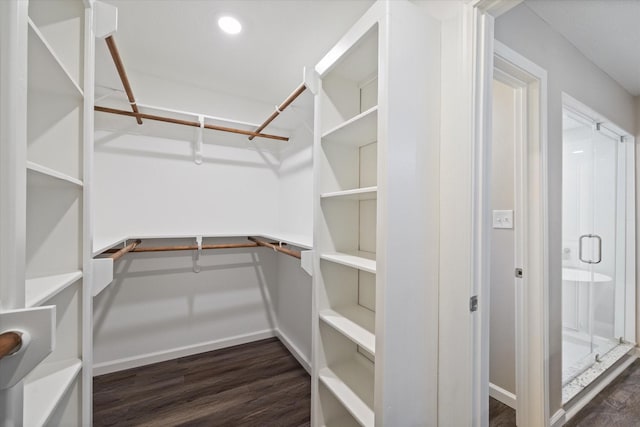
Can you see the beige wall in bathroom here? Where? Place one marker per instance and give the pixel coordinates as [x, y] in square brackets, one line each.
[502, 350]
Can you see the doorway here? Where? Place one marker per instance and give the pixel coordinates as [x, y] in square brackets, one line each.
[517, 229]
[502, 335]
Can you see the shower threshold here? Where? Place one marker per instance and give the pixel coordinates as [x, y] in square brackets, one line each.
[581, 381]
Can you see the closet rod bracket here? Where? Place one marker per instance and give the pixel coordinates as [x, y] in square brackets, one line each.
[198, 147]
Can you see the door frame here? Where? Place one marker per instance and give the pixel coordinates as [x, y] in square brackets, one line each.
[532, 374]
[531, 248]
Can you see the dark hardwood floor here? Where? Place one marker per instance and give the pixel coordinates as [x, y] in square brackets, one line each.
[255, 384]
[501, 415]
[261, 384]
[618, 405]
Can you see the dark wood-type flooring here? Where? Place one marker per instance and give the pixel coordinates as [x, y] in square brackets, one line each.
[618, 405]
[501, 415]
[255, 384]
[261, 384]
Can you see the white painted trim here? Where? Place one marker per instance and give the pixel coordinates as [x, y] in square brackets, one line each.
[532, 331]
[87, 215]
[574, 408]
[174, 353]
[502, 395]
[558, 419]
[294, 350]
[480, 26]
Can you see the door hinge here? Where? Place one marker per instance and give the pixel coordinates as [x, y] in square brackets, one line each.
[473, 303]
[519, 273]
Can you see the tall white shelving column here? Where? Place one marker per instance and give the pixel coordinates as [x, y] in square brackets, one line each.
[375, 338]
[346, 167]
[55, 211]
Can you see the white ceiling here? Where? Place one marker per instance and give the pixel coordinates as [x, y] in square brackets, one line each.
[605, 31]
[180, 40]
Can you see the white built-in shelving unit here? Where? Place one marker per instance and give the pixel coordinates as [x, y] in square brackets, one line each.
[347, 150]
[54, 249]
[375, 276]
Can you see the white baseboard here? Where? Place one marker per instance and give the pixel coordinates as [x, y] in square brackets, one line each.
[558, 419]
[174, 353]
[502, 395]
[294, 350]
[572, 410]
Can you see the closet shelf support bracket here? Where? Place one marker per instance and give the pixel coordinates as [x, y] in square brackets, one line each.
[196, 255]
[198, 145]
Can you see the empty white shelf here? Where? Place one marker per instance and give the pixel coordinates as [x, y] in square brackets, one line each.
[45, 387]
[365, 261]
[352, 384]
[38, 172]
[358, 131]
[41, 289]
[355, 322]
[365, 193]
[49, 73]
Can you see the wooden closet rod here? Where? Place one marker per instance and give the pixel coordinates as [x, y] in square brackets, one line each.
[10, 342]
[119, 253]
[290, 252]
[296, 93]
[189, 123]
[113, 49]
[192, 247]
[254, 242]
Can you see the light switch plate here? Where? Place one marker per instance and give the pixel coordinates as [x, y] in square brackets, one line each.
[503, 219]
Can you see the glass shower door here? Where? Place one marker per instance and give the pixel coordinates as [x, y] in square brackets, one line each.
[600, 249]
[590, 194]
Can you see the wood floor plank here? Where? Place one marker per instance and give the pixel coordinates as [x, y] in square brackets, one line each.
[618, 405]
[254, 384]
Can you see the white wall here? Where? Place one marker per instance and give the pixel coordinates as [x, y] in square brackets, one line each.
[502, 357]
[157, 308]
[571, 72]
[295, 175]
[147, 183]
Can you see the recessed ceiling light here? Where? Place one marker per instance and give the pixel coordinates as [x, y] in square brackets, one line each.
[229, 25]
[577, 152]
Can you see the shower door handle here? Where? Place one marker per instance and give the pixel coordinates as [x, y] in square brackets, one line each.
[590, 236]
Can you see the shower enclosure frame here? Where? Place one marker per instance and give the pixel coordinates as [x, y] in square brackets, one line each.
[625, 325]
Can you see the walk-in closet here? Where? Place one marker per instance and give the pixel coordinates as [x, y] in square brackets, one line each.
[375, 213]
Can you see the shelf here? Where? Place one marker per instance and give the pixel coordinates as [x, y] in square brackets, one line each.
[358, 131]
[41, 289]
[352, 384]
[365, 261]
[51, 75]
[367, 193]
[45, 387]
[355, 322]
[43, 175]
